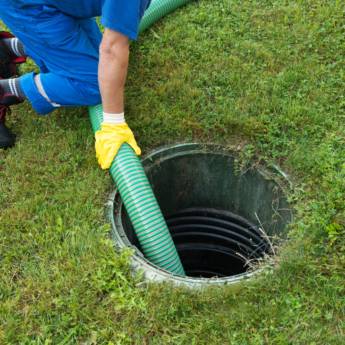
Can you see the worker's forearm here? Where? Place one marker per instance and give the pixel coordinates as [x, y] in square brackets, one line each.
[112, 73]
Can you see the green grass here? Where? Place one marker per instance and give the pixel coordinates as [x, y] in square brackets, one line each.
[263, 76]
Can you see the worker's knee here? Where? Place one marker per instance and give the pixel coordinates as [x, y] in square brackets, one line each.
[50, 91]
[70, 91]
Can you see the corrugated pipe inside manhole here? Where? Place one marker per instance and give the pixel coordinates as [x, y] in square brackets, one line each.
[221, 220]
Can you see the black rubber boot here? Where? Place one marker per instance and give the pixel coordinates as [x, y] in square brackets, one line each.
[8, 62]
[7, 138]
[8, 69]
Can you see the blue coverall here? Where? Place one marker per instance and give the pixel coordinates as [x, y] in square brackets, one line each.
[62, 37]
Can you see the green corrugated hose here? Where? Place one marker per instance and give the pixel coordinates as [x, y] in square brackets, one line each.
[159, 9]
[130, 178]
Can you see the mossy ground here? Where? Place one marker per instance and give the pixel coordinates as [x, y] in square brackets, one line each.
[267, 77]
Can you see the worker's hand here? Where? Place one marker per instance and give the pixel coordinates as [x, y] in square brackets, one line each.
[109, 140]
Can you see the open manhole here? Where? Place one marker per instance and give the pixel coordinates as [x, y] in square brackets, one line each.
[220, 219]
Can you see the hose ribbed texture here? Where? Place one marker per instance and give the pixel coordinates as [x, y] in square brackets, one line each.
[159, 9]
[141, 205]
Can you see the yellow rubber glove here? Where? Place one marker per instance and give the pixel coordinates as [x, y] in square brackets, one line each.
[109, 140]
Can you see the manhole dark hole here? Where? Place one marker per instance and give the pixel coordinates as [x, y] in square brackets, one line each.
[220, 219]
[213, 243]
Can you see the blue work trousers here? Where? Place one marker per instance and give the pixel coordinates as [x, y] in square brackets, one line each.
[65, 48]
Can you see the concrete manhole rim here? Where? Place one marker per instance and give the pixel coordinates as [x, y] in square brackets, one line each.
[152, 273]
